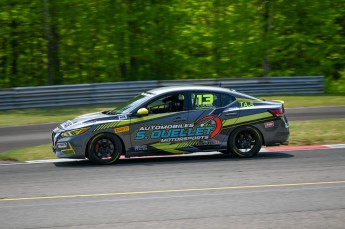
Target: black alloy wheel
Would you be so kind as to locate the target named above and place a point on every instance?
(104, 149)
(245, 141)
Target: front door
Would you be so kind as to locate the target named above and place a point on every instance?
(164, 129)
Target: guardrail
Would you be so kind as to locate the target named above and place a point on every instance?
(98, 93)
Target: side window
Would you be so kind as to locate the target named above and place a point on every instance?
(170, 103)
(205, 100)
(226, 99)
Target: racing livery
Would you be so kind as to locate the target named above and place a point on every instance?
(175, 120)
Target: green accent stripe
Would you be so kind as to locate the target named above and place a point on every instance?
(149, 117)
(229, 122)
(248, 100)
(168, 147)
(174, 148)
(250, 122)
(131, 121)
(186, 144)
(69, 151)
(106, 125)
(123, 122)
(254, 117)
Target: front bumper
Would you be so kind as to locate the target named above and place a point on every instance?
(69, 147)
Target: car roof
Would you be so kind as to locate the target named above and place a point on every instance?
(162, 90)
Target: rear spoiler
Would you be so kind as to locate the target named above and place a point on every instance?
(280, 101)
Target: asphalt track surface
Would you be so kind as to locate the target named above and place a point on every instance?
(282, 189)
(25, 136)
(292, 189)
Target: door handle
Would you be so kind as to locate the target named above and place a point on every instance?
(231, 114)
(179, 119)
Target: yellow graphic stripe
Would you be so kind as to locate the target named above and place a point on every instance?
(188, 143)
(279, 101)
(168, 147)
(128, 121)
(69, 151)
(229, 122)
(124, 122)
(174, 147)
(106, 125)
(247, 118)
(151, 116)
(253, 117)
(249, 100)
(178, 190)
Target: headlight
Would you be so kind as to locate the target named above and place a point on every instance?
(74, 132)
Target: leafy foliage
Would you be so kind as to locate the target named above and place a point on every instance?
(51, 42)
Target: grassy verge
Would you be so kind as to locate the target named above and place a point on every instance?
(40, 152)
(315, 132)
(45, 115)
(60, 114)
(292, 101)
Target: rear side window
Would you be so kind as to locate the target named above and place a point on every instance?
(204, 100)
(226, 99)
(209, 100)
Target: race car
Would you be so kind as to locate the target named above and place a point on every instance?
(175, 120)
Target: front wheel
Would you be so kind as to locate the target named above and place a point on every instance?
(104, 149)
(245, 141)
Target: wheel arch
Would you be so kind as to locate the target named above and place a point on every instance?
(93, 136)
(237, 127)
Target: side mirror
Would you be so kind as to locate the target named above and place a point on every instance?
(142, 112)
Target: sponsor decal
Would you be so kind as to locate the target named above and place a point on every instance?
(208, 142)
(122, 117)
(140, 148)
(90, 121)
(269, 124)
(214, 120)
(204, 101)
(205, 128)
(66, 124)
(246, 104)
(121, 129)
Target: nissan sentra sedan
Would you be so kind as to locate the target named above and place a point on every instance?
(175, 120)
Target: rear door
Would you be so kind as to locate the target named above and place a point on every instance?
(206, 113)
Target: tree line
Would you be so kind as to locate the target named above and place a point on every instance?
(50, 42)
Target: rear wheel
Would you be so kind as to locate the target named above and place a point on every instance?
(104, 149)
(245, 141)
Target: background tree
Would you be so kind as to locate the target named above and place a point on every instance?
(52, 42)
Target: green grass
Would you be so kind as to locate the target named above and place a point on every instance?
(60, 114)
(40, 152)
(45, 115)
(315, 132)
(292, 101)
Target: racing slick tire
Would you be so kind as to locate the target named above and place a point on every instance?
(245, 141)
(104, 149)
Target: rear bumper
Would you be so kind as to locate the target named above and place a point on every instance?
(275, 132)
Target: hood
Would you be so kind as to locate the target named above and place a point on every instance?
(91, 119)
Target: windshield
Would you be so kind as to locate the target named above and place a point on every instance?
(128, 106)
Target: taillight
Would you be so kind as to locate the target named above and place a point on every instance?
(277, 112)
